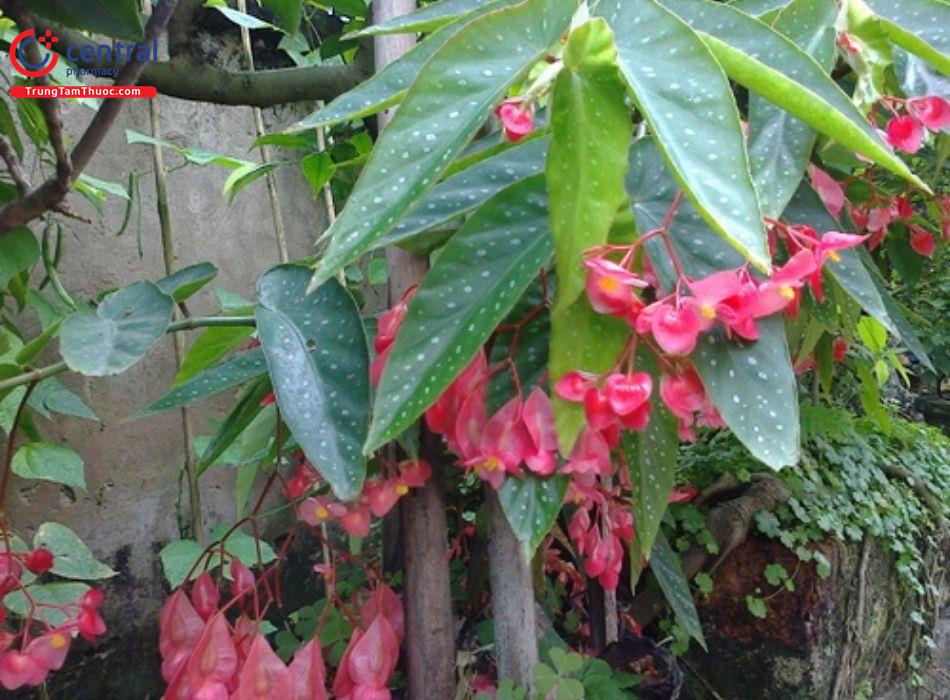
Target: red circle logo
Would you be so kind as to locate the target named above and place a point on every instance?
(19, 58)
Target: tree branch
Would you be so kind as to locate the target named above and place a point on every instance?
(51, 193)
(8, 154)
(187, 77)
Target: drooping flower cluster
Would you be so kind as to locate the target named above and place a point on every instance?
(600, 529)
(379, 495)
(913, 118)
(520, 434)
(26, 657)
(371, 655)
(206, 656)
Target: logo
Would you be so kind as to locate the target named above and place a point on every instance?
(18, 56)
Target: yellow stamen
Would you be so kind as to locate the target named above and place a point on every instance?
(491, 464)
(608, 284)
(833, 256)
(707, 311)
(786, 291)
(57, 641)
(402, 489)
(321, 513)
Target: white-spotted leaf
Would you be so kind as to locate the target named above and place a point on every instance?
(531, 505)
(432, 17)
(317, 357)
(454, 93)
(475, 281)
(668, 571)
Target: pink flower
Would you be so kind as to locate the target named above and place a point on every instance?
(442, 416)
(309, 673)
(50, 649)
(597, 409)
(205, 595)
(504, 443)
(38, 561)
(538, 417)
(880, 217)
(18, 669)
(933, 111)
(315, 510)
(683, 495)
(385, 602)
(179, 629)
(242, 578)
(905, 133)
(264, 675)
(590, 456)
(517, 119)
(380, 495)
(684, 393)
(573, 386)
(676, 328)
(828, 189)
(781, 289)
(373, 657)
(827, 249)
(389, 323)
(609, 286)
(627, 392)
(922, 241)
(839, 349)
(356, 521)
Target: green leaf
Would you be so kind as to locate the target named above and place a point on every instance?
(241, 416)
(241, 19)
(287, 12)
(922, 27)
(231, 373)
(318, 168)
(435, 121)
(588, 155)
(192, 155)
(317, 356)
(687, 100)
(473, 284)
(8, 127)
(50, 395)
(432, 17)
(35, 346)
(118, 333)
(49, 462)
(117, 18)
(531, 505)
(383, 89)
(916, 77)
(188, 280)
(71, 556)
(757, 8)
(780, 144)
(666, 567)
(244, 176)
(211, 346)
(704, 583)
(752, 384)
(651, 460)
(467, 190)
(764, 61)
(18, 252)
(178, 558)
(50, 597)
(581, 339)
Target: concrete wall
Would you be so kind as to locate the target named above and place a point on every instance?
(129, 509)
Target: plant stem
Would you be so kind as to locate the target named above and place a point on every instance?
(11, 443)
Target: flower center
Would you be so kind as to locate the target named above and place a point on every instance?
(833, 256)
(786, 291)
(707, 311)
(491, 464)
(608, 284)
(57, 641)
(402, 489)
(321, 513)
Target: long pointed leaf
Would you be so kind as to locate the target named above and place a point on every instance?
(780, 144)
(588, 155)
(468, 190)
(668, 570)
(454, 93)
(687, 100)
(317, 356)
(531, 505)
(431, 17)
(764, 61)
(476, 280)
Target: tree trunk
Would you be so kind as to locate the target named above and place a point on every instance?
(512, 596)
(430, 638)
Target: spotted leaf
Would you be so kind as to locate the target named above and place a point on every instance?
(531, 505)
(687, 101)
(432, 16)
(668, 571)
(752, 384)
(651, 460)
(587, 159)
(317, 357)
(921, 27)
(454, 93)
(475, 281)
(467, 190)
(226, 375)
(780, 144)
(762, 60)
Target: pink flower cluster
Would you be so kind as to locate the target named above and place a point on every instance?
(599, 529)
(906, 131)
(370, 657)
(205, 657)
(520, 433)
(27, 660)
(377, 498)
